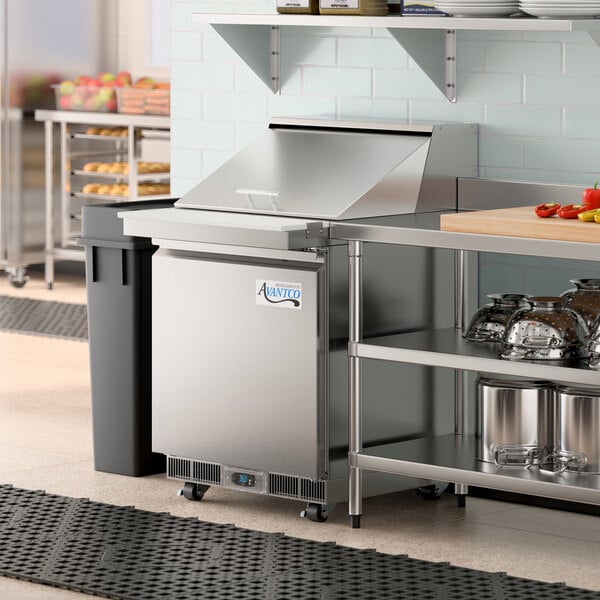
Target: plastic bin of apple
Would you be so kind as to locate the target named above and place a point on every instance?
(95, 94)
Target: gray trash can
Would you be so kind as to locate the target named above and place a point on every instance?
(119, 295)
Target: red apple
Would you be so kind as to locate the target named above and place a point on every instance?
(144, 83)
(123, 78)
(65, 102)
(111, 105)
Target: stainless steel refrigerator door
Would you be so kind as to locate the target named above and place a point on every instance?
(238, 378)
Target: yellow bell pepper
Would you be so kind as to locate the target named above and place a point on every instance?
(589, 215)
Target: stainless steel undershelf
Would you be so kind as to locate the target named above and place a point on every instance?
(447, 348)
(452, 458)
(423, 230)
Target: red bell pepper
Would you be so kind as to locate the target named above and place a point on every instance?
(547, 210)
(570, 211)
(591, 197)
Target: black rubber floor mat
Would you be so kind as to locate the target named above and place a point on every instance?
(128, 554)
(42, 317)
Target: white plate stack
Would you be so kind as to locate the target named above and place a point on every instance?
(561, 9)
(479, 8)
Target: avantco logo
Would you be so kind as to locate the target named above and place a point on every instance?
(279, 294)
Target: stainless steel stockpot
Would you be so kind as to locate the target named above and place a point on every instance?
(578, 447)
(516, 421)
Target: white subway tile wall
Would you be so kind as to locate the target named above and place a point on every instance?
(535, 96)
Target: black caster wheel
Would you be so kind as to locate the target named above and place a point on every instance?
(432, 492)
(355, 521)
(193, 491)
(461, 500)
(315, 512)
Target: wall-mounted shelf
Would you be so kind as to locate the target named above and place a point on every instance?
(430, 41)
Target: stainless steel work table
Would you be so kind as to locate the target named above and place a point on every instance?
(449, 458)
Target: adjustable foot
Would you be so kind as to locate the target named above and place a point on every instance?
(355, 521)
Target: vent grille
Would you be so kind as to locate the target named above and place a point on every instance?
(206, 472)
(312, 490)
(178, 468)
(193, 470)
(299, 488)
(283, 485)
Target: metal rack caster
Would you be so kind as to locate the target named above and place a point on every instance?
(17, 276)
(193, 491)
(432, 492)
(315, 512)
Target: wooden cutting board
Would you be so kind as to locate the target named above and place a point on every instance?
(521, 222)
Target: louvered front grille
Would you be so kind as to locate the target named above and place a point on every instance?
(193, 470)
(312, 490)
(178, 468)
(206, 472)
(283, 485)
(299, 488)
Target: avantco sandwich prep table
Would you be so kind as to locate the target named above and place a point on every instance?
(250, 307)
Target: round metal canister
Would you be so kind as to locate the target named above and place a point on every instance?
(516, 421)
(578, 446)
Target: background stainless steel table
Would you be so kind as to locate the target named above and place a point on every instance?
(66, 248)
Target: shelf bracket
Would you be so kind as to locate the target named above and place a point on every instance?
(434, 50)
(275, 59)
(259, 47)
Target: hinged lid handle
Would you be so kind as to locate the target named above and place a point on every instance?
(250, 193)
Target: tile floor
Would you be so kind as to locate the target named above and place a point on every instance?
(46, 443)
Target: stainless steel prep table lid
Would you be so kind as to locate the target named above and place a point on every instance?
(329, 170)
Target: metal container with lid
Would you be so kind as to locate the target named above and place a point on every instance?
(489, 322)
(578, 447)
(298, 6)
(545, 331)
(584, 299)
(354, 7)
(516, 421)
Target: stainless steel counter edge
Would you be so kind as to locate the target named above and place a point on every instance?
(226, 228)
(463, 241)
